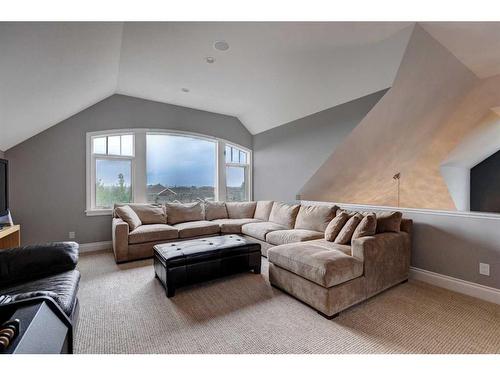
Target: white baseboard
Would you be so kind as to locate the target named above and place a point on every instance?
(457, 285)
(95, 246)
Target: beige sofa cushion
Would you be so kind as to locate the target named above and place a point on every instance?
(316, 263)
(233, 225)
(367, 227)
(346, 249)
(152, 232)
(259, 230)
(197, 228)
(280, 237)
(215, 210)
(149, 213)
(345, 235)
(240, 210)
(284, 214)
(128, 215)
(389, 221)
(335, 226)
(315, 217)
(182, 212)
(262, 210)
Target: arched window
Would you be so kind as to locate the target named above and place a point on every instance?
(138, 165)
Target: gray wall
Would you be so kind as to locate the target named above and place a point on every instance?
(453, 243)
(287, 156)
(2, 155)
(47, 171)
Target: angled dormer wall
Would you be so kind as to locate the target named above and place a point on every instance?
(408, 131)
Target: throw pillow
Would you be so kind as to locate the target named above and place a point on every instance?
(335, 226)
(389, 222)
(367, 227)
(345, 235)
(129, 216)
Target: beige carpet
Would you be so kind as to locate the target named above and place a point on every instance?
(124, 310)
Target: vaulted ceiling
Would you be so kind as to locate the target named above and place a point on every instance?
(271, 74)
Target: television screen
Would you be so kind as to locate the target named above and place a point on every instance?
(3, 187)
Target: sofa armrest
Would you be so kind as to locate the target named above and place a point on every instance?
(37, 261)
(386, 258)
(120, 230)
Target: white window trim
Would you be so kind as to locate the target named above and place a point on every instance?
(248, 168)
(139, 177)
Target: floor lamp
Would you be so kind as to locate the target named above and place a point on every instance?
(397, 177)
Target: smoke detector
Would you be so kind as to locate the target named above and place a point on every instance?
(221, 45)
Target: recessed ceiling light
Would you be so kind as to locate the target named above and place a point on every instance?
(221, 45)
(184, 89)
(210, 59)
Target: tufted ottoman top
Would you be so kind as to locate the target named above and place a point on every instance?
(203, 249)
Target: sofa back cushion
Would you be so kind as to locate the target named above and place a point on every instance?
(345, 235)
(183, 212)
(284, 214)
(389, 221)
(367, 227)
(127, 214)
(149, 213)
(315, 217)
(240, 210)
(262, 210)
(215, 210)
(335, 226)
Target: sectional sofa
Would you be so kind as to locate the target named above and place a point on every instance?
(325, 256)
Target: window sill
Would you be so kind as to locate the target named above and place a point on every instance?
(106, 212)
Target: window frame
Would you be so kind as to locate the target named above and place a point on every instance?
(91, 158)
(139, 167)
(246, 168)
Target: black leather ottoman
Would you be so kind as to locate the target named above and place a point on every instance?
(186, 262)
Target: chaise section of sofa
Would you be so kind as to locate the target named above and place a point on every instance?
(331, 277)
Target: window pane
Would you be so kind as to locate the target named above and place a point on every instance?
(180, 169)
(234, 155)
(243, 157)
(235, 184)
(228, 154)
(99, 145)
(114, 145)
(127, 145)
(113, 182)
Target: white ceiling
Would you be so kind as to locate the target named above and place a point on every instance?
(50, 71)
(273, 73)
(475, 44)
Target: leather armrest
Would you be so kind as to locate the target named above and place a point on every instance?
(120, 230)
(36, 261)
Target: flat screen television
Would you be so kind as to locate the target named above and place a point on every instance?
(4, 191)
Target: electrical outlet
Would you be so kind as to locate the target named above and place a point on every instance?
(71, 235)
(484, 269)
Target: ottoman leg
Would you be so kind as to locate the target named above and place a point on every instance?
(256, 270)
(170, 291)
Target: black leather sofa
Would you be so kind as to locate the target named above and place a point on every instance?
(47, 271)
